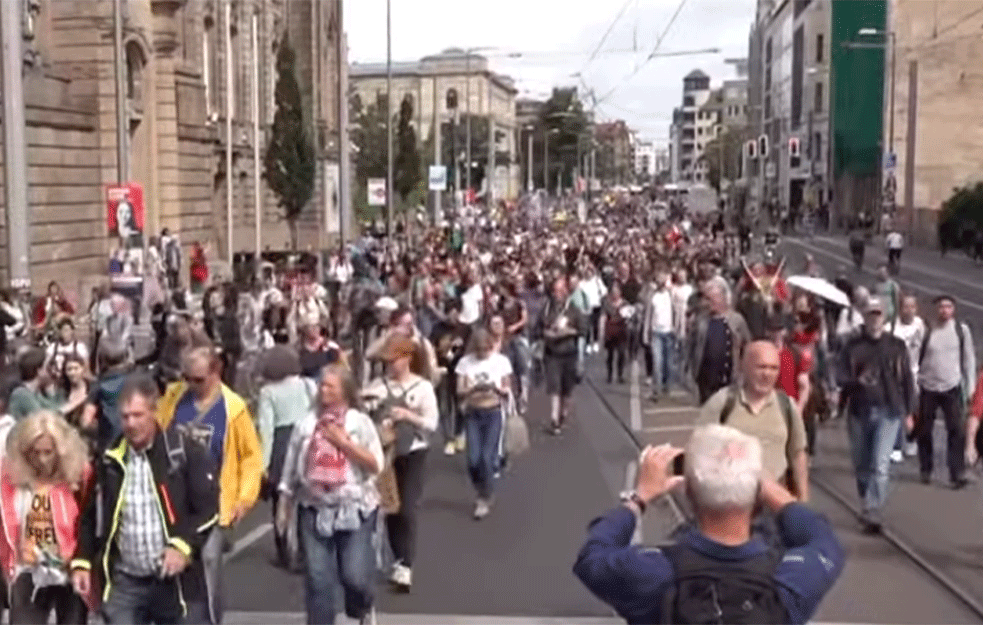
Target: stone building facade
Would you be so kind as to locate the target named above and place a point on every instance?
(428, 81)
(946, 47)
(174, 54)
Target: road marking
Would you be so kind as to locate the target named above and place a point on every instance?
(248, 540)
(635, 397)
(631, 476)
(668, 428)
(902, 281)
(670, 410)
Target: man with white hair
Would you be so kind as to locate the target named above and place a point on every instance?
(718, 567)
(716, 343)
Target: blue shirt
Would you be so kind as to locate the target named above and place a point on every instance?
(634, 579)
(209, 430)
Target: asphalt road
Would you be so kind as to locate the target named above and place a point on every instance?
(514, 567)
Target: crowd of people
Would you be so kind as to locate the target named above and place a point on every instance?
(127, 468)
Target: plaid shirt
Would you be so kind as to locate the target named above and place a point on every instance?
(142, 537)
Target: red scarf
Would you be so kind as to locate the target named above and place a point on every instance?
(326, 464)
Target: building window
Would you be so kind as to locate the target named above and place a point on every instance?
(688, 101)
(820, 48)
(768, 106)
(206, 65)
(817, 150)
(818, 95)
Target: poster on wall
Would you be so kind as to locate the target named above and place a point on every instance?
(125, 213)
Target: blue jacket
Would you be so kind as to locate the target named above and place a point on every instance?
(634, 579)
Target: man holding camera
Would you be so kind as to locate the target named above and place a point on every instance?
(717, 570)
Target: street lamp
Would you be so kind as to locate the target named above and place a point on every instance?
(467, 108)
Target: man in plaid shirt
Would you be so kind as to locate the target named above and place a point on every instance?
(164, 487)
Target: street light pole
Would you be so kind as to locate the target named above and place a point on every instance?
(529, 129)
(467, 112)
(389, 119)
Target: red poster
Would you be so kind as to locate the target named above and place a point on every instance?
(125, 213)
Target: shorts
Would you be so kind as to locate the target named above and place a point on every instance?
(561, 374)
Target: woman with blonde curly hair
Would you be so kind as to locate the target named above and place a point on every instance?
(44, 474)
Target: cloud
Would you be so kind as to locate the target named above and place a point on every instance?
(422, 27)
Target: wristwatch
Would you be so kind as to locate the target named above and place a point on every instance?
(633, 497)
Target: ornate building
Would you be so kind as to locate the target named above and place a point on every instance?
(174, 56)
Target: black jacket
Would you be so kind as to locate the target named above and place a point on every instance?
(876, 366)
(187, 493)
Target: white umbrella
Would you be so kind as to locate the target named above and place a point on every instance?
(820, 288)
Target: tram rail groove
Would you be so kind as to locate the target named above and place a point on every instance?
(890, 536)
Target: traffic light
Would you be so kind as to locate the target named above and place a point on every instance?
(452, 99)
(794, 147)
(763, 146)
(751, 148)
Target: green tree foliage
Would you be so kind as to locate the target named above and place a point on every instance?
(369, 137)
(407, 173)
(563, 113)
(290, 167)
(722, 154)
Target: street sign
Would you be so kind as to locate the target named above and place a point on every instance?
(438, 178)
(377, 191)
(890, 161)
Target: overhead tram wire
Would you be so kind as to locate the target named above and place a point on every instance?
(651, 55)
(607, 33)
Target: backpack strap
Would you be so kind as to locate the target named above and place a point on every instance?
(177, 457)
(960, 334)
(729, 405)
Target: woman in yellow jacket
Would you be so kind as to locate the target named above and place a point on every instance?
(218, 418)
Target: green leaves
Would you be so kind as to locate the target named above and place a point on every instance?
(290, 166)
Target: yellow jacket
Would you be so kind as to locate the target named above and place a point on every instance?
(242, 461)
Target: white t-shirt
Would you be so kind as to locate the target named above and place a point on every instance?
(912, 334)
(661, 311)
(491, 370)
(894, 240)
(471, 304)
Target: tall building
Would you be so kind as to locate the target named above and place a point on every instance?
(692, 128)
(427, 83)
(787, 101)
(174, 54)
(645, 163)
(939, 51)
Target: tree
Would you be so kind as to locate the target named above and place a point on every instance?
(369, 136)
(722, 155)
(564, 114)
(406, 164)
(289, 163)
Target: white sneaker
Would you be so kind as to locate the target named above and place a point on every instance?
(896, 456)
(401, 576)
(450, 448)
(911, 449)
(481, 509)
(369, 618)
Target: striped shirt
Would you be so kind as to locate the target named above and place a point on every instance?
(142, 536)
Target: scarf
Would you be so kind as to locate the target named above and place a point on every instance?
(327, 466)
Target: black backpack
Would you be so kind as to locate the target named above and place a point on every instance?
(709, 592)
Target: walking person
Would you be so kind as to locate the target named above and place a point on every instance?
(614, 332)
(946, 381)
(409, 404)
(285, 398)
(878, 392)
(328, 482)
(147, 564)
(561, 327)
(483, 377)
(910, 328)
(716, 344)
(45, 476)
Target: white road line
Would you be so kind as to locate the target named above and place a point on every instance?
(248, 540)
(631, 475)
(904, 281)
(671, 410)
(635, 397)
(668, 428)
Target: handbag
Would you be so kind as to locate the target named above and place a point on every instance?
(389, 501)
(516, 431)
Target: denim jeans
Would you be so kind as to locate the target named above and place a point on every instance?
(663, 361)
(141, 600)
(872, 439)
(346, 558)
(483, 429)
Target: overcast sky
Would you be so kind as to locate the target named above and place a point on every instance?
(422, 27)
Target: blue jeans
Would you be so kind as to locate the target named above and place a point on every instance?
(483, 429)
(663, 361)
(140, 600)
(347, 558)
(872, 439)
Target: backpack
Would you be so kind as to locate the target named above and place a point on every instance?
(707, 591)
(177, 457)
(961, 334)
(405, 432)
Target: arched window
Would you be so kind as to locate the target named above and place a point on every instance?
(134, 72)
